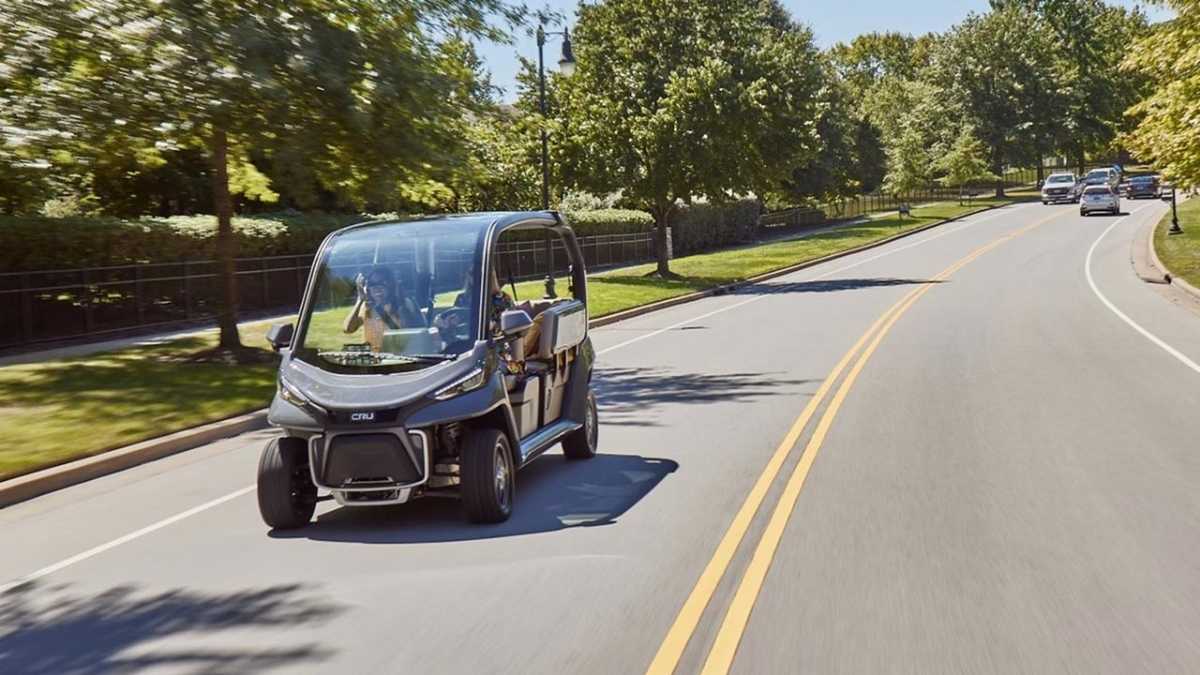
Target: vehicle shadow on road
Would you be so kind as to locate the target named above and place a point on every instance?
(46, 630)
(553, 494)
(628, 396)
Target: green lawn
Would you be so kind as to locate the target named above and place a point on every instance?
(629, 287)
(60, 410)
(1181, 252)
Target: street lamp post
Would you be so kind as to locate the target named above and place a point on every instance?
(1175, 228)
(567, 66)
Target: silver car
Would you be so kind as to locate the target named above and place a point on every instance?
(1099, 198)
(1060, 187)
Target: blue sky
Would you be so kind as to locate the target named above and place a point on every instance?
(831, 22)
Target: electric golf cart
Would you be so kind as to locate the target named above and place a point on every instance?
(415, 371)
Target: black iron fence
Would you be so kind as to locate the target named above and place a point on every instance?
(859, 205)
(55, 305)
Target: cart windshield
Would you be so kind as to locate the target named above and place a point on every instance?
(394, 297)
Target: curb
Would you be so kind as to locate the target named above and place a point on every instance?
(727, 288)
(54, 478)
(1175, 280)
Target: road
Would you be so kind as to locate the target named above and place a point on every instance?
(972, 450)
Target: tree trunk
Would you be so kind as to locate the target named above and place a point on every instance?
(1081, 160)
(662, 221)
(226, 243)
(998, 169)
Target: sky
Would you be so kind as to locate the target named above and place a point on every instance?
(831, 22)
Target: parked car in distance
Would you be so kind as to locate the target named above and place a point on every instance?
(1144, 186)
(1099, 198)
(1107, 176)
(1060, 187)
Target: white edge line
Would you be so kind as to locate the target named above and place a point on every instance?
(764, 296)
(123, 540)
(1087, 270)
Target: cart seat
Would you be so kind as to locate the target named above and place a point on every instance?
(564, 325)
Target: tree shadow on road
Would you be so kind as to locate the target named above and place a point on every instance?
(829, 285)
(553, 493)
(628, 396)
(46, 631)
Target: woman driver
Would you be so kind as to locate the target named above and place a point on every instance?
(380, 307)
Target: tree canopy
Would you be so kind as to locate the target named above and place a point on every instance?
(673, 100)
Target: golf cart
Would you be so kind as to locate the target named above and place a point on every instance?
(411, 373)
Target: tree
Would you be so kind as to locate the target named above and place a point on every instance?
(674, 100)
(999, 67)
(834, 171)
(1090, 40)
(965, 163)
(1167, 129)
(346, 83)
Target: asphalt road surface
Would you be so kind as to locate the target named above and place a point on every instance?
(976, 449)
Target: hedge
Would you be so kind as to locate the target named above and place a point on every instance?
(701, 227)
(36, 243)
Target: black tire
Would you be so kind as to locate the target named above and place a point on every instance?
(488, 475)
(582, 443)
(286, 494)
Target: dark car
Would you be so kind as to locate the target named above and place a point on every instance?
(1144, 186)
(449, 387)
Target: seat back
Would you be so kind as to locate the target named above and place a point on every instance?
(564, 325)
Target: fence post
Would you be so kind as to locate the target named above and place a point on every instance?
(26, 309)
(89, 318)
(299, 281)
(137, 295)
(187, 290)
(266, 291)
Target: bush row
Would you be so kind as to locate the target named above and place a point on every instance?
(36, 243)
(701, 227)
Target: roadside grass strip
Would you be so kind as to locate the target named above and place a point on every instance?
(1181, 252)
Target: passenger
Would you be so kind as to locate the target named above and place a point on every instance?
(381, 306)
(500, 302)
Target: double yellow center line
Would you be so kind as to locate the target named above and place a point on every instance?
(720, 657)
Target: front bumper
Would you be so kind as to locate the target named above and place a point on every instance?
(376, 467)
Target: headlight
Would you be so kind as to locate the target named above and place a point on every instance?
(472, 380)
(289, 393)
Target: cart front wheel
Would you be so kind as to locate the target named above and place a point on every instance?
(286, 494)
(582, 443)
(487, 476)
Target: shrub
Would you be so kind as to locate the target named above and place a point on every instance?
(700, 227)
(39, 243)
(57, 243)
(609, 221)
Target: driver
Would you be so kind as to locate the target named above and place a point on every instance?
(381, 306)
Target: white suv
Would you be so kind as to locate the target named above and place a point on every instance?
(1099, 198)
(1060, 187)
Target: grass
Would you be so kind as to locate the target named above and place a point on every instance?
(60, 410)
(1181, 252)
(628, 287)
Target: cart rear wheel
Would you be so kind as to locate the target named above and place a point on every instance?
(582, 443)
(487, 476)
(286, 494)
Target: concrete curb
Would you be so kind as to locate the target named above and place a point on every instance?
(38, 483)
(54, 478)
(1175, 281)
